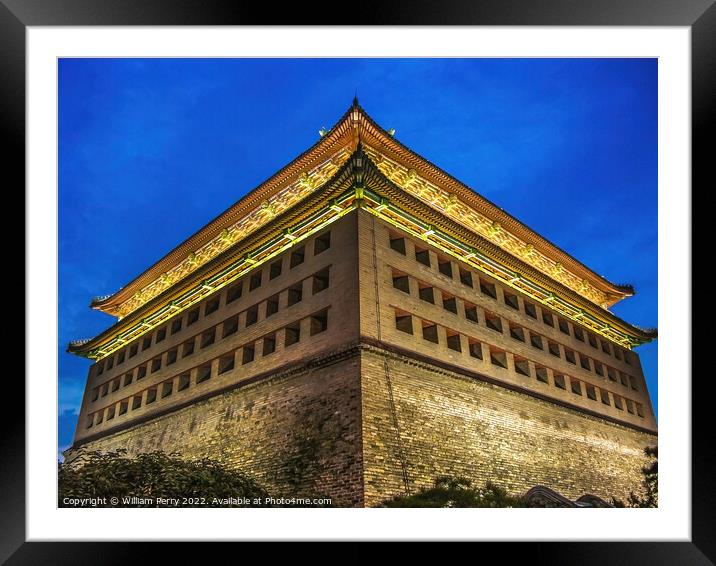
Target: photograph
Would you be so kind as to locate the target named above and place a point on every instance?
(357, 282)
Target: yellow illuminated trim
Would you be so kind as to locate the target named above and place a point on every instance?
(381, 208)
(269, 209)
(457, 210)
(412, 225)
(250, 262)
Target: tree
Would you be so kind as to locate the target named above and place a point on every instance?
(154, 475)
(456, 492)
(649, 496)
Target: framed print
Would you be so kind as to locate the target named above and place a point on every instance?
(422, 280)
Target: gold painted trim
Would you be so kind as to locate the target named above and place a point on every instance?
(363, 198)
(270, 208)
(450, 205)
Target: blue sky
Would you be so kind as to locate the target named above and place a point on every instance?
(152, 149)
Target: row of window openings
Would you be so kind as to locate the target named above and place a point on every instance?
(404, 323)
(397, 243)
(230, 326)
(292, 335)
(296, 258)
(494, 322)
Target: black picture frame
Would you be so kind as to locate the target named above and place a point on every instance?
(699, 15)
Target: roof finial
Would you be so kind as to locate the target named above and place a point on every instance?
(355, 98)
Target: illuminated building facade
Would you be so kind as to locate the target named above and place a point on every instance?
(362, 323)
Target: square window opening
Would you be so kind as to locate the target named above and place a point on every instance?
(230, 326)
(517, 332)
(498, 358)
(292, 334)
(269, 345)
(234, 292)
(226, 364)
(453, 342)
(192, 317)
(297, 257)
(271, 306)
(321, 280)
(536, 341)
(488, 288)
(211, 306)
(252, 315)
(569, 356)
(530, 310)
(591, 392)
(184, 381)
(426, 293)
(445, 267)
(275, 269)
(295, 294)
(563, 326)
(203, 373)
(401, 282)
(512, 301)
(430, 332)
(471, 313)
(255, 281)
(397, 243)
(404, 322)
(208, 337)
(319, 322)
(449, 303)
(322, 243)
(522, 366)
(541, 373)
(422, 255)
(475, 349)
(493, 322)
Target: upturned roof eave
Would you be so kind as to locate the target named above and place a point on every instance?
(616, 292)
(335, 139)
(82, 348)
(340, 136)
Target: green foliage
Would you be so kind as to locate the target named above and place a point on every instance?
(649, 495)
(456, 492)
(154, 475)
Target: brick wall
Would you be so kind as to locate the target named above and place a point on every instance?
(340, 298)
(373, 234)
(454, 425)
(327, 417)
(296, 434)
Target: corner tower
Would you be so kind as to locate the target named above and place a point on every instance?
(363, 322)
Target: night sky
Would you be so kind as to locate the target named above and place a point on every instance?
(150, 150)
